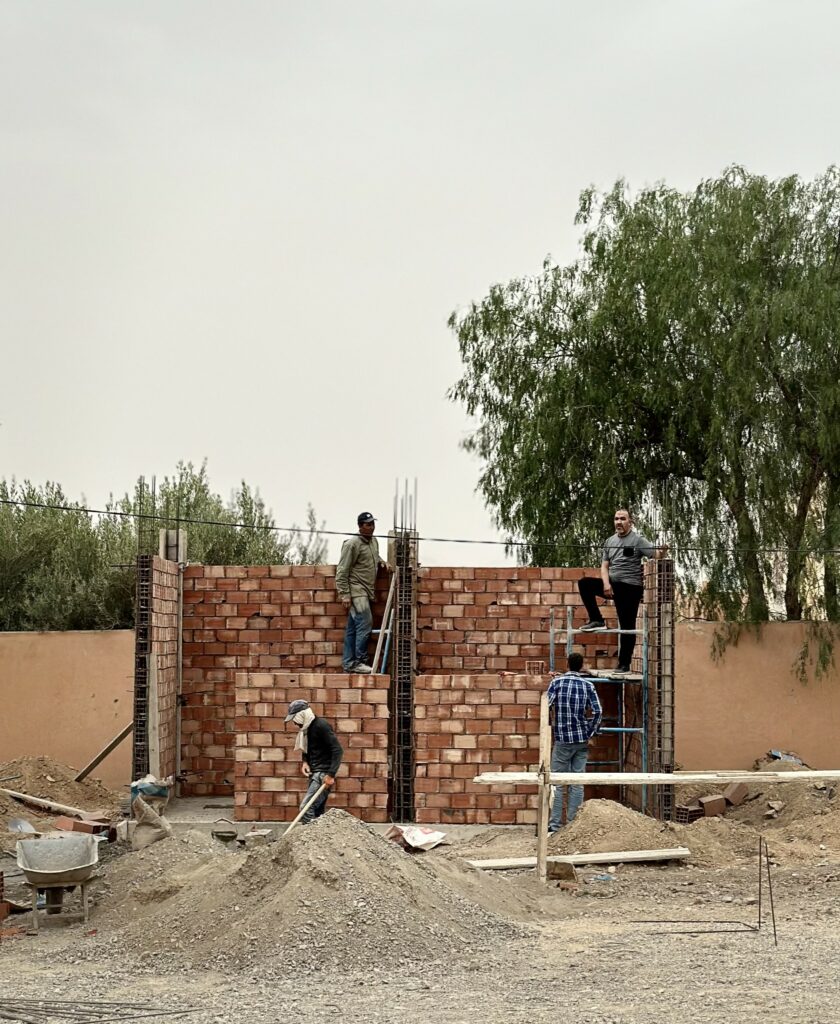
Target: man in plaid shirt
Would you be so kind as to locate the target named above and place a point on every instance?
(577, 716)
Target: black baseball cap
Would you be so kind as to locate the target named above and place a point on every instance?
(365, 517)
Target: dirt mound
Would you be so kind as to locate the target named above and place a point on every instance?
(52, 780)
(333, 892)
(604, 825)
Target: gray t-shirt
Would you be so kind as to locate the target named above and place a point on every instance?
(625, 556)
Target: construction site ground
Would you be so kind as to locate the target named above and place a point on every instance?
(335, 920)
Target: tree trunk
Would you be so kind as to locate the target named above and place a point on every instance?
(832, 536)
(757, 608)
(795, 536)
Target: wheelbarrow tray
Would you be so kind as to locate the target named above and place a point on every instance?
(67, 860)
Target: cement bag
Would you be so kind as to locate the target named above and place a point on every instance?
(414, 837)
(150, 826)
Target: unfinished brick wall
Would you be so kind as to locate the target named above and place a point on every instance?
(164, 665)
(250, 618)
(465, 725)
(497, 620)
(269, 783)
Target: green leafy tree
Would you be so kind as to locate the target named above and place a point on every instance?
(686, 364)
(64, 568)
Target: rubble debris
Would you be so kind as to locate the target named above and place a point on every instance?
(736, 793)
(713, 805)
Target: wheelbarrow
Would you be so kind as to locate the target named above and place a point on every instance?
(57, 866)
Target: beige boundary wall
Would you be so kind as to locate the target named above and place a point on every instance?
(731, 711)
(66, 695)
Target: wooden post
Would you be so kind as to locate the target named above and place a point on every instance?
(544, 791)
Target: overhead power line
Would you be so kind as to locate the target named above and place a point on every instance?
(151, 516)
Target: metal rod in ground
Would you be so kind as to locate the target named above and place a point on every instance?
(770, 893)
(760, 841)
(306, 807)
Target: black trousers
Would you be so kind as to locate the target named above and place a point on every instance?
(627, 597)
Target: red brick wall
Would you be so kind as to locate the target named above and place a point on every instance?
(164, 657)
(250, 618)
(465, 725)
(496, 620)
(269, 783)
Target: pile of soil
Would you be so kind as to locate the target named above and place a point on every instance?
(335, 891)
(51, 780)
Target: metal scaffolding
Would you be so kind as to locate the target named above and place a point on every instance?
(643, 721)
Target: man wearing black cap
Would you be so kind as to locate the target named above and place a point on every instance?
(355, 581)
(321, 753)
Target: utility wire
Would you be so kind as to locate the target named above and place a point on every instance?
(119, 513)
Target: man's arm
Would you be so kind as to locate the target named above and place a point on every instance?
(336, 753)
(605, 578)
(597, 711)
(342, 571)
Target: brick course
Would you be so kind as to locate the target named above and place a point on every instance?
(465, 725)
(260, 618)
(269, 783)
(497, 620)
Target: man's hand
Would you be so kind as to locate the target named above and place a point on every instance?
(382, 565)
(662, 551)
(329, 780)
(305, 769)
(345, 601)
(607, 590)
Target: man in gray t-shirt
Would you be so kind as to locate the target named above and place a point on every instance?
(622, 580)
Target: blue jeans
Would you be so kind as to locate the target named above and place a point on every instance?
(357, 633)
(567, 757)
(320, 805)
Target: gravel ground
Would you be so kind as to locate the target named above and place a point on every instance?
(590, 962)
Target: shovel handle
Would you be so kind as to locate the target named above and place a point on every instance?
(306, 807)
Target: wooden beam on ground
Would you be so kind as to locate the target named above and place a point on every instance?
(104, 752)
(577, 859)
(653, 778)
(47, 805)
(544, 794)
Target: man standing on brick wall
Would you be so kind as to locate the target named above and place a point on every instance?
(577, 717)
(621, 579)
(355, 581)
(321, 755)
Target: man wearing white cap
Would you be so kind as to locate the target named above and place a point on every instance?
(321, 755)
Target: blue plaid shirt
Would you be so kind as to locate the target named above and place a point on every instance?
(570, 695)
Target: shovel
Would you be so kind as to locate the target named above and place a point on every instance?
(306, 807)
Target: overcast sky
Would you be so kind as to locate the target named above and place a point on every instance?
(235, 230)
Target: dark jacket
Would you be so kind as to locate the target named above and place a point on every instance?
(325, 752)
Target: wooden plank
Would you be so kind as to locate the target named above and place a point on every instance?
(104, 752)
(544, 795)
(48, 805)
(577, 859)
(654, 778)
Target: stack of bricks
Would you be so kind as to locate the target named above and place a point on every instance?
(497, 620)
(466, 725)
(269, 783)
(250, 618)
(164, 660)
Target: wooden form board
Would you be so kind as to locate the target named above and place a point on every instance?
(578, 859)
(653, 778)
(544, 794)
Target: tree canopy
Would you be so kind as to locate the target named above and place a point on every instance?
(686, 365)
(62, 567)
